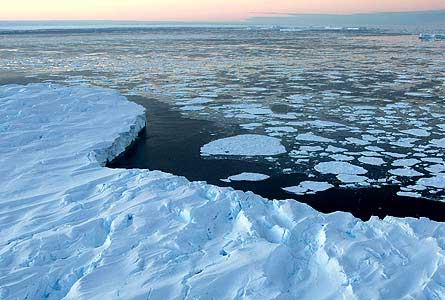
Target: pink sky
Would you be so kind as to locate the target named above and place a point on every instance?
(195, 10)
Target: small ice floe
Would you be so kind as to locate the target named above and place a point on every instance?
(417, 132)
(244, 145)
(281, 129)
(192, 107)
(409, 162)
(405, 142)
(342, 157)
(437, 181)
(339, 167)
(418, 94)
(356, 179)
(438, 168)
(247, 177)
(310, 137)
(374, 148)
(409, 194)
(334, 149)
(358, 142)
(374, 161)
(297, 99)
(438, 142)
(251, 126)
(395, 154)
(194, 101)
(405, 172)
(309, 187)
(431, 37)
(258, 111)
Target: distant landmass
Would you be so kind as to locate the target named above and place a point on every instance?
(361, 19)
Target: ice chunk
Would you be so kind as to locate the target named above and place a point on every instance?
(438, 142)
(339, 167)
(309, 187)
(244, 145)
(417, 132)
(405, 172)
(310, 137)
(375, 161)
(346, 178)
(405, 162)
(248, 177)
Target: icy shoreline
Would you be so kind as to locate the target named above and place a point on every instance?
(72, 229)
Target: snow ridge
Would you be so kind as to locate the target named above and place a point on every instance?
(72, 229)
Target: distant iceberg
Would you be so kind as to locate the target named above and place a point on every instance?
(432, 37)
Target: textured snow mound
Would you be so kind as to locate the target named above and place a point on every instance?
(72, 229)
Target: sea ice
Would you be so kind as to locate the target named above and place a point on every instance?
(74, 229)
(309, 187)
(310, 137)
(339, 167)
(375, 161)
(248, 177)
(405, 172)
(244, 145)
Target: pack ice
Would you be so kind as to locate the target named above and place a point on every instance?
(72, 229)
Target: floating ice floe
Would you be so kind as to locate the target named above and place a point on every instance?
(437, 181)
(310, 137)
(73, 229)
(375, 161)
(307, 187)
(417, 132)
(346, 178)
(244, 145)
(339, 167)
(246, 176)
(438, 142)
(405, 172)
(405, 162)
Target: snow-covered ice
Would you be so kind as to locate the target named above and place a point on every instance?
(309, 187)
(246, 176)
(339, 167)
(244, 145)
(73, 229)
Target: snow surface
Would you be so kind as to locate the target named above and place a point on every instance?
(73, 229)
(244, 145)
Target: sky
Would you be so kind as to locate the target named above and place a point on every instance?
(195, 10)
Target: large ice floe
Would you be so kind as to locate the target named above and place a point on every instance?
(72, 229)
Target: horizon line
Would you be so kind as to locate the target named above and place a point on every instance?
(260, 14)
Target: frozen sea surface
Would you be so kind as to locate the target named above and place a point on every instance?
(73, 229)
(374, 98)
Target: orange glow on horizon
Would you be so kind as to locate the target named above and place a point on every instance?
(195, 10)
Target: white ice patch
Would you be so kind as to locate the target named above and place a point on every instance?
(405, 172)
(438, 142)
(339, 167)
(246, 176)
(417, 132)
(437, 181)
(405, 162)
(310, 137)
(244, 145)
(375, 161)
(346, 178)
(309, 187)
